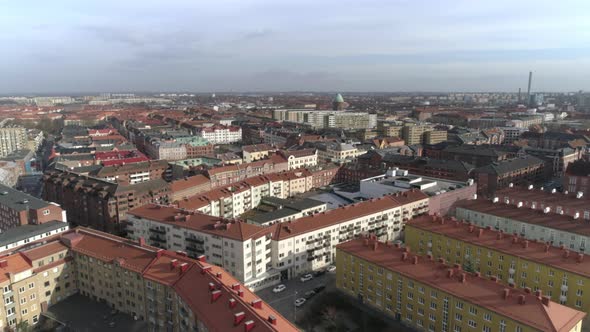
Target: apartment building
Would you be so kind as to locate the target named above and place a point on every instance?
(522, 171)
(435, 136)
(18, 208)
(98, 203)
(283, 210)
(240, 248)
(233, 200)
(221, 134)
(150, 284)
(338, 152)
(300, 158)
(529, 222)
(431, 295)
(414, 134)
(25, 235)
(308, 243)
(189, 186)
(513, 260)
(224, 175)
(255, 152)
(11, 139)
(327, 119)
(165, 149)
(577, 177)
(132, 173)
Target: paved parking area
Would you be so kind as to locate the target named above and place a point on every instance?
(284, 302)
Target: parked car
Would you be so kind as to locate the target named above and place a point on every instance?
(306, 277)
(309, 294)
(331, 268)
(319, 273)
(299, 302)
(279, 288)
(319, 289)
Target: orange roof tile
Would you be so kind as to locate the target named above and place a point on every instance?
(480, 291)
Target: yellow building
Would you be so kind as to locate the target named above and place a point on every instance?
(556, 272)
(435, 136)
(432, 296)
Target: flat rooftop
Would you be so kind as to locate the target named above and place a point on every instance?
(377, 186)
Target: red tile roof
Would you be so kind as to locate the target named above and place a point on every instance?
(568, 202)
(233, 229)
(539, 252)
(191, 181)
(527, 215)
(480, 291)
(346, 213)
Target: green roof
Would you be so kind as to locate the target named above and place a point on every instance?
(338, 99)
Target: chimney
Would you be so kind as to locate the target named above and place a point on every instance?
(494, 278)
(239, 317)
(257, 303)
(215, 295)
(495, 200)
(375, 245)
(404, 256)
(366, 242)
(202, 258)
(457, 266)
(3, 264)
(441, 260)
(415, 260)
(580, 258)
(141, 241)
(566, 253)
(553, 191)
(429, 257)
(525, 244)
(471, 228)
(477, 274)
(546, 248)
(510, 185)
(539, 293)
(576, 215)
(235, 286)
(506, 293)
(173, 263)
(519, 205)
(183, 267)
(463, 277)
(527, 290)
(579, 194)
(272, 319)
(204, 269)
(219, 275)
(211, 286)
(545, 300)
(450, 273)
(521, 299)
(232, 303)
(531, 187)
(515, 239)
(407, 249)
(248, 326)
(500, 235)
(511, 285)
(397, 245)
(240, 292)
(480, 232)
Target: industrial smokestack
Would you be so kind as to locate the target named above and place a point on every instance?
(519, 95)
(528, 92)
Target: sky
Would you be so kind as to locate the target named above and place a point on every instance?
(293, 45)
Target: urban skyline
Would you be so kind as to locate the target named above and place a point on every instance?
(294, 46)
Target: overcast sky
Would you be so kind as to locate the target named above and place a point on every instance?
(286, 45)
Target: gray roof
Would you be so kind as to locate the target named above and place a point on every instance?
(295, 204)
(272, 215)
(510, 165)
(25, 231)
(18, 200)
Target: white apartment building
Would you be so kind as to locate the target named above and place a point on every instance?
(221, 134)
(261, 256)
(308, 244)
(11, 139)
(166, 150)
(512, 134)
(300, 158)
(339, 152)
(233, 200)
(545, 224)
(17, 237)
(242, 249)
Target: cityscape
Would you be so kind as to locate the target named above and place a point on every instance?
(244, 167)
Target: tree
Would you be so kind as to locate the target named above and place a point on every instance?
(23, 326)
(468, 266)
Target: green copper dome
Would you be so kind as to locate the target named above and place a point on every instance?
(338, 99)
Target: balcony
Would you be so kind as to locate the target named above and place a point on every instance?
(158, 239)
(195, 240)
(158, 230)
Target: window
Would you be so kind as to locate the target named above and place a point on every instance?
(24, 312)
(487, 317)
(457, 328)
(471, 323)
(518, 329)
(32, 296)
(21, 290)
(473, 310)
(486, 329)
(35, 319)
(433, 305)
(32, 285)
(10, 311)
(23, 300)
(7, 289)
(458, 317)
(432, 317)
(459, 305)
(502, 326)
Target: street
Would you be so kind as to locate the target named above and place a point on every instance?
(284, 302)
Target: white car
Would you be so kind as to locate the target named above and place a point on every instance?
(279, 288)
(331, 268)
(299, 302)
(306, 277)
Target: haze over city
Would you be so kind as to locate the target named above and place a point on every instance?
(76, 46)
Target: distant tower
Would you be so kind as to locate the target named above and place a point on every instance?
(528, 91)
(338, 103)
(518, 95)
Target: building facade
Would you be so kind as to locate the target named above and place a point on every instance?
(18, 208)
(12, 139)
